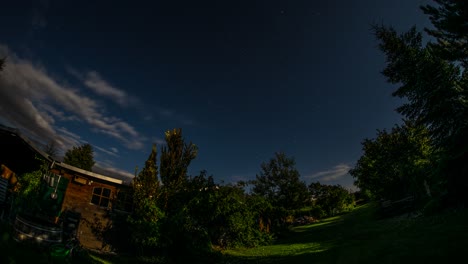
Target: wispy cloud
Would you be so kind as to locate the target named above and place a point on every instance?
(333, 174)
(30, 99)
(97, 84)
(65, 138)
(110, 170)
(60, 115)
(100, 86)
(108, 152)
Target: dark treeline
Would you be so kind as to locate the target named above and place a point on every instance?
(427, 156)
(177, 217)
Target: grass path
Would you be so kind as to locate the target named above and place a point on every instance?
(360, 238)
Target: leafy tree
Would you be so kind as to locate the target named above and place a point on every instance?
(431, 85)
(146, 217)
(29, 189)
(235, 218)
(396, 163)
(81, 157)
(161, 218)
(450, 20)
(181, 217)
(146, 183)
(331, 198)
(176, 156)
(434, 81)
(229, 217)
(280, 184)
(184, 226)
(51, 149)
(363, 196)
(451, 29)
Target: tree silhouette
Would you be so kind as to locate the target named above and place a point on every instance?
(81, 157)
(451, 29)
(145, 220)
(279, 183)
(396, 163)
(51, 149)
(331, 198)
(433, 80)
(146, 183)
(176, 156)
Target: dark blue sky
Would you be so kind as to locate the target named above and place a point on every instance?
(243, 79)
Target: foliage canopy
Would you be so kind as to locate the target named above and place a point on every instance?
(433, 81)
(81, 157)
(279, 182)
(396, 163)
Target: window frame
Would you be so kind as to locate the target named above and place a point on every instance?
(101, 197)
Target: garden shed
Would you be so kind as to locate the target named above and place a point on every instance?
(71, 200)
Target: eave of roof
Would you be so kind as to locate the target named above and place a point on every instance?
(16, 132)
(88, 173)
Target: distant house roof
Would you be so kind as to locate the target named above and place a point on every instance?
(19, 154)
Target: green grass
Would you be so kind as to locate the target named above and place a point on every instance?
(357, 237)
(360, 238)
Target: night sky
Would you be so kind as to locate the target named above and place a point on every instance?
(243, 79)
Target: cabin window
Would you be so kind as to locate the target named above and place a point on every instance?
(101, 196)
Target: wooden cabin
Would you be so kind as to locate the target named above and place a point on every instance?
(72, 201)
(92, 197)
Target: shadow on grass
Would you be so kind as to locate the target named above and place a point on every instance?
(359, 237)
(304, 244)
(340, 239)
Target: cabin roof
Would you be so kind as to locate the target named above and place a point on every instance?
(87, 173)
(17, 150)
